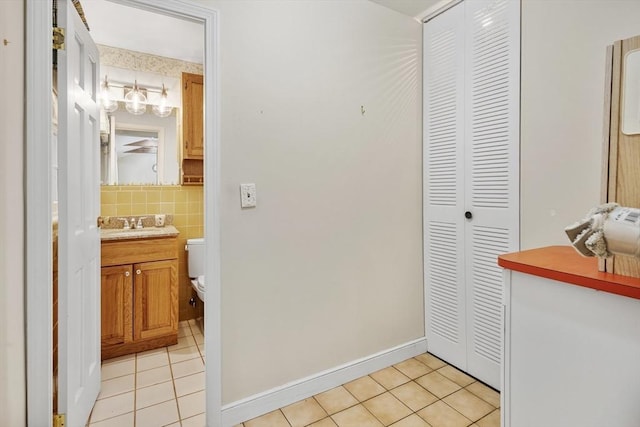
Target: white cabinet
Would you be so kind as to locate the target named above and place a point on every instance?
(471, 178)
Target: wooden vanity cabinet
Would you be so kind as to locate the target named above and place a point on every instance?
(139, 295)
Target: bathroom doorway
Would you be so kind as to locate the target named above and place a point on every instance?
(39, 318)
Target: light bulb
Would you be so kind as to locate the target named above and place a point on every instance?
(135, 100)
(109, 105)
(162, 109)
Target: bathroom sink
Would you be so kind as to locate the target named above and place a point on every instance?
(137, 233)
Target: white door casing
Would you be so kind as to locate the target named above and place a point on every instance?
(471, 161)
(79, 207)
(38, 201)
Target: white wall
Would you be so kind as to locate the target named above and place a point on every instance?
(563, 63)
(328, 268)
(12, 340)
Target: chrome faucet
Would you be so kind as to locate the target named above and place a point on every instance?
(126, 225)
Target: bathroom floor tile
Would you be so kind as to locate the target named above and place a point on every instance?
(356, 416)
(390, 377)
(183, 354)
(125, 420)
(118, 367)
(468, 404)
(411, 421)
(188, 367)
(167, 387)
(456, 376)
(414, 396)
(189, 384)
(112, 406)
(158, 415)
(485, 393)
(413, 368)
(197, 421)
(117, 385)
(440, 414)
(438, 384)
(154, 394)
(153, 376)
(150, 361)
(387, 409)
(304, 412)
(336, 400)
(272, 419)
(364, 388)
(191, 404)
(430, 360)
(491, 420)
(186, 341)
(326, 422)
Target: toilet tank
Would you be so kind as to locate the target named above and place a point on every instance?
(195, 257)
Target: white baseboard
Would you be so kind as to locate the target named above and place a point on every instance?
(270, 400)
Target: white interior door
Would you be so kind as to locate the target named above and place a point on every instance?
(492, 33)
(79, 240)
(444, 186)
(471, 178)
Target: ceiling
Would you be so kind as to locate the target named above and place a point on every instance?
(134, 29)
(129, 28)
(413, 8)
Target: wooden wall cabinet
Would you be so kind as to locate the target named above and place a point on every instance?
(139, 295)
(192, 129)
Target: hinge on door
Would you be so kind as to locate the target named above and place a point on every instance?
(59, 420)
(58, 38)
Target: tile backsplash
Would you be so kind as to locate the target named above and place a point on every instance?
(186, 204)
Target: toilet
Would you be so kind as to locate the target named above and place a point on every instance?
(195, 249)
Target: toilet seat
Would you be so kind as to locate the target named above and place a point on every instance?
(199, 286)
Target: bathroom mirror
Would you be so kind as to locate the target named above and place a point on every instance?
(630, 113)
(139, 150)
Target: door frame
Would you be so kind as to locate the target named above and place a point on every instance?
(38, 238)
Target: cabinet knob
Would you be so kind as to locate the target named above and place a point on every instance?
(468, 215)
(127, 274)
(138, 271)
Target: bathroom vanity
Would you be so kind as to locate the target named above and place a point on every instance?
(571, 346)
(139, 290)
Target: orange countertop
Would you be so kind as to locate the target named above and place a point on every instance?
(564, 264)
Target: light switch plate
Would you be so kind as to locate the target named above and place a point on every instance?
(247, 195)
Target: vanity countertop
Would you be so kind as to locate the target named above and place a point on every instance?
(564, 264)
(142, 233)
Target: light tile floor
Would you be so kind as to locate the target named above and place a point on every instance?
(420, 392)
(162, 387)
(165, 387)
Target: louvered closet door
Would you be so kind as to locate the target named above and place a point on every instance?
(444, 186)
(491, 173)
(471, 166)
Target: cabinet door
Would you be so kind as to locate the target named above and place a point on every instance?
(116, 305)
(192, 116)
(156, 299)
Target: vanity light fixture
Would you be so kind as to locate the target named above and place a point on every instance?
(135, 101)
(162, 109)
(109, 105)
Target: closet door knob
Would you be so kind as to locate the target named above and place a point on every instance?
(126, 274)
(468, 215)
(138, 271)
